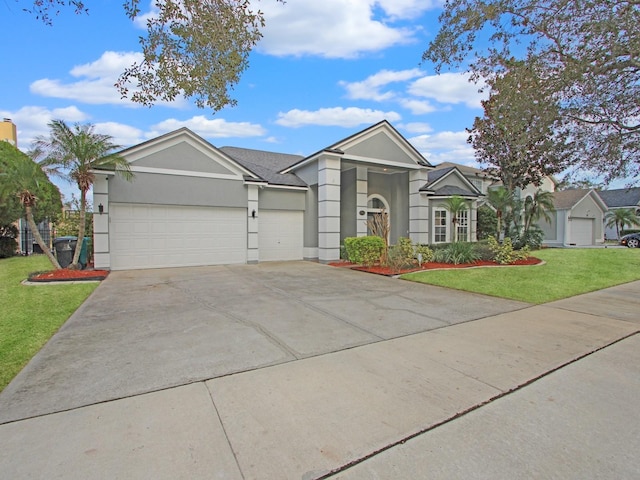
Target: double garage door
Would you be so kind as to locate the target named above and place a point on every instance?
(156, 236)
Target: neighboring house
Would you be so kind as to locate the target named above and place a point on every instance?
(577, 220)
(620, 198)
(191, 203)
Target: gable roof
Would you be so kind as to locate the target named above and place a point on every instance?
(567, 199)
(267, 165)
(437, 176)
(621, 197)
(382, 126)
(183, 134)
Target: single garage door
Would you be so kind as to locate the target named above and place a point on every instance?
(582, 231)
(281, 235)
(155, 236)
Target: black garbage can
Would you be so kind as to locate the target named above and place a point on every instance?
(64, 247)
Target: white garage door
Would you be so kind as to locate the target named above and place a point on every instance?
(281, 235)
(155, 236)
(582, 231)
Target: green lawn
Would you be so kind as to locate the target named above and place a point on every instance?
(567, 272)
(31, 314)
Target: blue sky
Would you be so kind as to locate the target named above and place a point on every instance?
(323, 71)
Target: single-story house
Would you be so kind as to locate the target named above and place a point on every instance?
(620, 198)
(192, 203)
(577, 220)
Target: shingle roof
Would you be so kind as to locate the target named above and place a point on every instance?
(463, 168)
(449, 190)
(621, 197)
(565, 199)
(266, 165)
(435, 175)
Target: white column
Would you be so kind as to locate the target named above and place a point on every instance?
(328, 208)
(362, 192)
(253, 252)
(418, 207)
(101, 251)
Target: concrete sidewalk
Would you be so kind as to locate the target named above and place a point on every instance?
(514, 395)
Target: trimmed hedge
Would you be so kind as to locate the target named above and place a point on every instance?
(364, 250)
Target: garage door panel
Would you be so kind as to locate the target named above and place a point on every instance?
(582, 231)
(154, 236)
(281, 235)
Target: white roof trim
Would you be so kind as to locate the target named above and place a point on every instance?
(184, 173)
(389, 163)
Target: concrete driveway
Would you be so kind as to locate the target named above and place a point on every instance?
(147, 330)
(322, 390)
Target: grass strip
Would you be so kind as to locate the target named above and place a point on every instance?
(31, 314)
(567, 272)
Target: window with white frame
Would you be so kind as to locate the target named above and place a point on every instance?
(463, 226)
(440, 226)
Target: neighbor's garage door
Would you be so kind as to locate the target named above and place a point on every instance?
(281, 235)
(154, 236)
(582, 231)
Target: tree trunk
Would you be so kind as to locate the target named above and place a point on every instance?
(83, 207)
(36, 234)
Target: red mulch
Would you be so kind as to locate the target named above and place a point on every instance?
(380, 270)
(67, 275)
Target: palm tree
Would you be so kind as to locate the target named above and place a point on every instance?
(501, 200)
(78, 151)
(25, 177)
(455, 205)
(538, 207)
(620, 217)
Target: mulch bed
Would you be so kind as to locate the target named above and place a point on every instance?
(387, 271)
(67, 275)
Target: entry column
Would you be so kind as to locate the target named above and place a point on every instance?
(253, 253)
(362, 192)
(418, 207)
(329, 207)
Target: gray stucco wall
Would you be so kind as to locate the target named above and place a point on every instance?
(588, 208)
(159, 189)
(348, 205)
(550, 230)
(182, 156)
(381, 147)
(279, 199)
(311, 218)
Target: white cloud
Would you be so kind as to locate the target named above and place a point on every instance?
(96, 82)
(123, 135)
(31, 121)
(445, 147)
(416, 127)
(452, 88)
(328, 28)
(209, 128)
(369, 89)
(417, 107)
(337, 116)
(408, 8)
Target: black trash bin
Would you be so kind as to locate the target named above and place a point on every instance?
(64, 247)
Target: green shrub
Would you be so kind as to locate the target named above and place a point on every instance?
(505, 254)
(402, 254)
(8, 242)
(484, 252)
(364, 250)
(456, 253)
(424, 253)
(532, 238)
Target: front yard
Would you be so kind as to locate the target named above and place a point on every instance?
(567, 272)
(31, 314)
